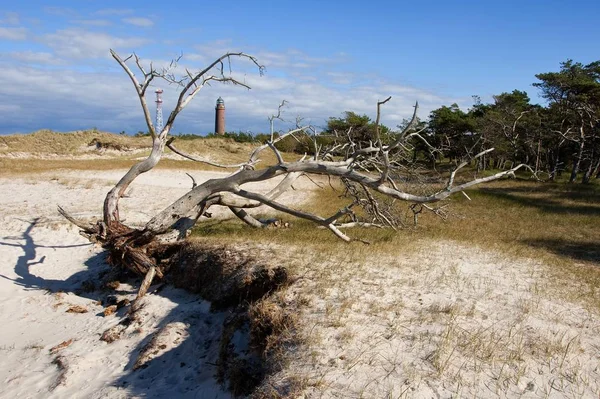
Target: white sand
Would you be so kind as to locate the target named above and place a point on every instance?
(43, 261)
(446, 321)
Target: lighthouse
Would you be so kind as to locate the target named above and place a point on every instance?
(220, 117)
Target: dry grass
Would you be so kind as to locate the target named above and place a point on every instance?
(49, 142)
(552, 222)
(45, 150)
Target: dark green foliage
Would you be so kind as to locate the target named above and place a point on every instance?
(239, 137)
(360, 126)
(565, 133)
(302, 144)
(453, 130)
(573, 94)
(575, 85)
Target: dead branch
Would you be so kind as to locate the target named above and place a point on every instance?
(85, 228)
(194, 184)
(139, 87)
(272, 118)
(191, 85)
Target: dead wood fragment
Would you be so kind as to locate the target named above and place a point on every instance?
(112, 334)
(113, 285)
(147, 281)
(61, 346)
(109, 310)
(107, 145)
(77, 309)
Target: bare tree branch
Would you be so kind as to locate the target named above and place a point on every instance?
(140, 88)
(185, 96)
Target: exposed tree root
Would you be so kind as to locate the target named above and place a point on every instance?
(223, 275)
(230, 279)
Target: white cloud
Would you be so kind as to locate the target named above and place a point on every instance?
(75, 43)
(32, 57)
(10, 108)
(93, 22)
(139, 21)
(65, 99)
(114, 11)
(75, 94)
(60, 11)
(212, 50)
(13, 33)
(248, 110)
(295, 59)
(341, 78)
(10, 18)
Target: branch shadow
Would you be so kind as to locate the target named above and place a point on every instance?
(543, 204)
(184, 371)
(580, 251)
(25, 278)
(575, 192)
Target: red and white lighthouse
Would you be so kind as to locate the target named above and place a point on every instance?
(220, 117)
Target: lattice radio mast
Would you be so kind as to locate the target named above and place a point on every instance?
(159, 119)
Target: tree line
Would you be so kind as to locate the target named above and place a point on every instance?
(562, 136)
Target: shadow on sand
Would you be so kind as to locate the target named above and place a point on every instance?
(25, 278)
(186, 371)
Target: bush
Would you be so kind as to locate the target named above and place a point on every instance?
(303, 144)
(239, 137)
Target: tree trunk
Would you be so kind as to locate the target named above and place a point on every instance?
(577, 162)
(111, 202)
(537, 156)
(591, 169)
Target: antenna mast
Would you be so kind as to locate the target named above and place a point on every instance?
(159, 118)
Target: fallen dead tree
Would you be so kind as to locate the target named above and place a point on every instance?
(370, 170)
(366, 168)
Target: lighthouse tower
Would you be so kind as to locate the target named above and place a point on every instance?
(220, 116)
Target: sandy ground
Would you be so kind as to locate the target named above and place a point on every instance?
(43, 263)
(443, 320)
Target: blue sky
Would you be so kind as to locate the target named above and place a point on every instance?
(322, 57)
